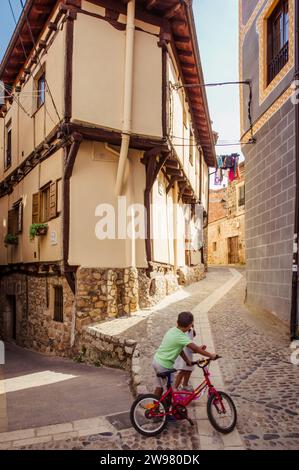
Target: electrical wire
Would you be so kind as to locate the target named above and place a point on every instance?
(34, 45)
(219, 142)
(29, 95)
(15, 20)
(16, 101)
(248, 83)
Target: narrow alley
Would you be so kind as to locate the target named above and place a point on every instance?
(252, 347)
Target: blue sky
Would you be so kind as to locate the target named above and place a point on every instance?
(217, 28)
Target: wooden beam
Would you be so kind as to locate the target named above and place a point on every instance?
(183, 39)
(184, 53)
(173, 11)
(172, 181)
(174, 171)
(151, 4)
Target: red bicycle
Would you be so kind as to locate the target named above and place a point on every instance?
(149, 415)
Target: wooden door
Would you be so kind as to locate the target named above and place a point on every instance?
(13, 316)
(233, 250)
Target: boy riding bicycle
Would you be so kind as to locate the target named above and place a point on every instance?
(173, 343)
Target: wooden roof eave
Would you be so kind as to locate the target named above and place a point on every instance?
(14, 52)
(210, 161)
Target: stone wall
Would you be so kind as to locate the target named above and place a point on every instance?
(156, 285)
(34, 301)
(227, 220)
(270, 205)
(219, 232)
(97, 348)
(103, 293)
(188, 275)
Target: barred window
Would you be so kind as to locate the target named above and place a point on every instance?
(58, 304)
(278, 39)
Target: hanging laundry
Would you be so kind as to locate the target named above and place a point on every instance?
(236, 163)
(231, 175)
(217, 180)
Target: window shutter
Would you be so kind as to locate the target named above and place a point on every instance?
(36, 208)
(19, 214)
(10, 222)
(53, 200)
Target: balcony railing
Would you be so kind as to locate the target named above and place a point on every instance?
(278, 62)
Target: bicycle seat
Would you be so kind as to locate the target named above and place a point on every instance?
(163, 375)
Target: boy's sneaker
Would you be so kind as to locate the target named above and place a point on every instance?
(188, 388)
(171, 419)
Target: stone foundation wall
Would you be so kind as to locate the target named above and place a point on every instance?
(111, 293)
(34, 323)
(94, 347)
(162, 281)
(188, 275)
(105, 293)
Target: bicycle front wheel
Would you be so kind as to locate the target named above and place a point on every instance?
(222, 413)
(148, 415)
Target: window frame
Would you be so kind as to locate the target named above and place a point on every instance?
(16, 220)
(277, 53)
(8, 139)
(45, 203)
(37, 102)
(241, 201)
(58, 310)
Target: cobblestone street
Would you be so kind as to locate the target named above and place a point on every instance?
(255, 367)
(258, 373)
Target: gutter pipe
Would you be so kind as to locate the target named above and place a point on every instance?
(128, 96)
(294, 309)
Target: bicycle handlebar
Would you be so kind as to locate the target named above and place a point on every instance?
(205, 362)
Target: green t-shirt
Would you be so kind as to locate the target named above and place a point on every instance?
(171, 347)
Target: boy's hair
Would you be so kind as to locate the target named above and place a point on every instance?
(185, 319)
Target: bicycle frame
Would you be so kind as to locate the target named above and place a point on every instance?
(175, 397)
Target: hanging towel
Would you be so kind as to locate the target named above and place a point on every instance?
(231, 175)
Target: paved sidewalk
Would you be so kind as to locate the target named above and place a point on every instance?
(38, 390)
(199, 298)
(258, 372)
(255, 370)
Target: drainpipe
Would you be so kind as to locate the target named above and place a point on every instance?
(175, 223)
(128, 96)
(294, 309)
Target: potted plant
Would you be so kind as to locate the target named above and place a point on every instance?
(37, 230)
(10, 239)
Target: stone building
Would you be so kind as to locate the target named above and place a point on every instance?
(267, 58)
(226, 229)
(98, 133)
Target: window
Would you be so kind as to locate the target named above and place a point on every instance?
(241, 200)
(8, 150)
(214, 246)
(41, 90)
(15, 219)
(44, 204)
(278, 39)
(191, 148)
(58, 304)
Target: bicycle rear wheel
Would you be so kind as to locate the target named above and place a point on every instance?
(148, 415)
(222, 413)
